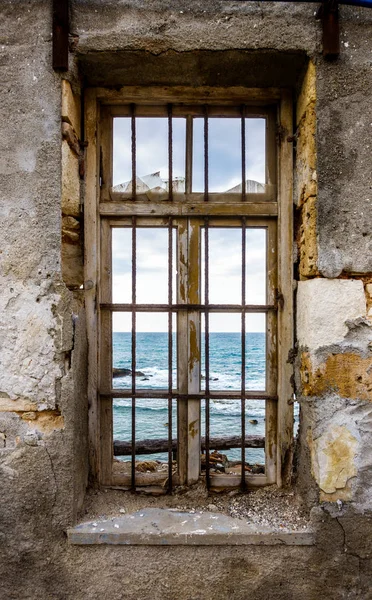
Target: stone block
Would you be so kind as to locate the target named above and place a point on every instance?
(71, 107)
(308, 249)
(347, 374)
(72, 265)
(323, 308)
(308, 92)
(70, 182)
(333, 459)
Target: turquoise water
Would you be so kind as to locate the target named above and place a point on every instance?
(225, 374)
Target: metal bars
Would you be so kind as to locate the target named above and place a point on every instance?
(170, 350)
(134, 275)
(206, 346)
(244, 194)
(134, 154)
(243, 346)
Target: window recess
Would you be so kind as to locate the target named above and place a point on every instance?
(191, 380)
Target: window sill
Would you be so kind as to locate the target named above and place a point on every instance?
(167, 527)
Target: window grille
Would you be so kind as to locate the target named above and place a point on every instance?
(188, 220)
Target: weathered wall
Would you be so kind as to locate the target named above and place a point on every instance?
(43, 407)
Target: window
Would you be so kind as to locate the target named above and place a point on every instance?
(188, 222)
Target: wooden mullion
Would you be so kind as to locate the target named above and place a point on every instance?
(185, 110)
(194, 353)
(285, 278)
(182, 349)
(105, 357)
(271, 407)
(151, 95)
(106, 154)
(91, 278)
(188, 209)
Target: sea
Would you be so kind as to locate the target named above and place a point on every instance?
(225, 374)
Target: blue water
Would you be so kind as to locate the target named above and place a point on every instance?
(225, 374)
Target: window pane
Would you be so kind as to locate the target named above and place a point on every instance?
(225, 265)
(152, 265)
(224, 156)
(122, 265)
(121, 350)
(122, 151)
(151, 154)
(256, 276)
(255, 347)
(152, 420)
(225, 352)
(152, 350)
(255, 155)
(225, 422)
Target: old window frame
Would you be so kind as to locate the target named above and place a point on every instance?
(101, 205)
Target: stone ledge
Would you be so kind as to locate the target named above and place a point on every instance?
(167, 527)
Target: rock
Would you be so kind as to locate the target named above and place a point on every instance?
(253, 421)
(146, 465)
(127, 372)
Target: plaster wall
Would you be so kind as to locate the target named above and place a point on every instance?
(43, 404)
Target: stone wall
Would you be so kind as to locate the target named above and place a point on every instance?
(43, 365)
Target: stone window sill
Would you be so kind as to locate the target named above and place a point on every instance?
(170, 527)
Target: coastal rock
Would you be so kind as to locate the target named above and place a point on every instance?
(127, 372)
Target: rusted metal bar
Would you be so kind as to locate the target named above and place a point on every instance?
(170, 153)
(236, 308)
(60, 34)
(206, 345)
(189, 154)
(244, 191)
(242, 484)
(134, 157)
(206, 155)
(328, 13)
(170, 346)
(134, 273)
(157, 446)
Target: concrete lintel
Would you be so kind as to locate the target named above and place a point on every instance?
(167, 527)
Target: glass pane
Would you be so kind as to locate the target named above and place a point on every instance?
(122, 153)
(122, 265)
(224, 157)
(255, 289)
(121, 350)
(225, 265)
(255, 347)
(225, 351)
(255, 155)
(151, 154)
(198, 155)
(151, 350)
(152, 419)
(152, 265)
(225, 423)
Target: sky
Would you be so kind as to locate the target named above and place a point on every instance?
(224, 150)
(225, 244)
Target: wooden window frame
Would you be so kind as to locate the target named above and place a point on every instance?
(103, 208)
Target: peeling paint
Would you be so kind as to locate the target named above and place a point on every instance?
(193, 431)
(194, 357)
